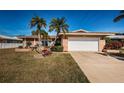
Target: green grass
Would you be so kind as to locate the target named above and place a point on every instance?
(23, 67)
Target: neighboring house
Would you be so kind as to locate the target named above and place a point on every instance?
(82, 40)
(34, 40)
(9, 42)
(116, 37)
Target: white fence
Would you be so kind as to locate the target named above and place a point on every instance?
(10, 45)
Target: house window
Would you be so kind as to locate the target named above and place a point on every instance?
(44, 43)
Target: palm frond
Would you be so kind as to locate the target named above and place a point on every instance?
(33, 22)
(39, 22)
(58, 25)
(122, 11)
(118, 18)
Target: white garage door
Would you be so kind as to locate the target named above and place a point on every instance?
(82, 44)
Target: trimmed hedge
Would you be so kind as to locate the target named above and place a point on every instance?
(57, 49)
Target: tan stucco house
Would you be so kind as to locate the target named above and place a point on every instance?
(82, 40)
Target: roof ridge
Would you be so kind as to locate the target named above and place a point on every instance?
(79, 30)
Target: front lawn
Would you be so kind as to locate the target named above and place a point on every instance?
(23, 67)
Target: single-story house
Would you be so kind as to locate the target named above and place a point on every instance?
(32, 39)
(35, 40)
(82, 40)
(9, 42)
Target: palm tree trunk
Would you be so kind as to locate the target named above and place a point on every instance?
(54, 41)
(39, 38)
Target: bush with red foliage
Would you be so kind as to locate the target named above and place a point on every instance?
(114, 45)
(46, 52)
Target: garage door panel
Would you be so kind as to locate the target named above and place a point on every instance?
(83, 44)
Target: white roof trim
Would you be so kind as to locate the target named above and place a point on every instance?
(80, 30)
(116, 37)
(8, 37)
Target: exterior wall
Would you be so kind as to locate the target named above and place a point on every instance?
(64, 42)
(5, 43)
(101, 44)
(10, 45)
(33, 41)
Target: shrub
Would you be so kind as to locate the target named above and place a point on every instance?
(108, 40)
(114, 45)
(20, 46)
(57, 48)
(58, 42)
(28, 44)
(46, 52)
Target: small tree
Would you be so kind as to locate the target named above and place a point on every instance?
(39, 23)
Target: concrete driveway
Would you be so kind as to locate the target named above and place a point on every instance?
(99, 68)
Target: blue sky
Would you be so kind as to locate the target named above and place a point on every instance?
(16, 22)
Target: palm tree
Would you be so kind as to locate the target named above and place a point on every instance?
(44, 34)
(58, 25)
(39, 23)
(33, 32)
(119, 17)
